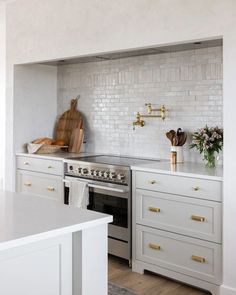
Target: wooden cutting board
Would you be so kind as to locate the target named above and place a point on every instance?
(76, 140)
(69, 121)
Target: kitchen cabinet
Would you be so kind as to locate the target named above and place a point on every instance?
(40, 176)
(177, 227)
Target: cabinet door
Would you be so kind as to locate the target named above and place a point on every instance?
(179, 185)
(43, 185)
(39, 165)
(193, 257)
(183, 215)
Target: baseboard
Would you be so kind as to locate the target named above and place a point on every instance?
(225, 290)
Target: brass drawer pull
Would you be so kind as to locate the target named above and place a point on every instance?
(27, 184)
(154, 246)
(196, 188)
(50, 189)
(50, 167)
(198, 218)
(198, 259)
(26, 163)
(152, 181)
(153, 209)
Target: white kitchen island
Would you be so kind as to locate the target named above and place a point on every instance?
(47, 248)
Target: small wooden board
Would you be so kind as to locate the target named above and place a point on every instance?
(69, 121)
(76, 140)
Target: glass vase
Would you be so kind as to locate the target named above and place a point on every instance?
(210, 159)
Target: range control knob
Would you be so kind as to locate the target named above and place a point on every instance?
(121, 176)
(71, 167)
(101, 173)
(106, 174)
(112, 175)
(79, 170)
(96, 173)
(91, 172)
(84, 171)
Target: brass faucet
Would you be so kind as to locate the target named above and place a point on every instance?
(150, 110)
(138, 121)
(162, 110)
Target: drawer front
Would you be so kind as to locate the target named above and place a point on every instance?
(178, 253)
(179, 185)
(40, 165)
(40, 184)
(188, 216)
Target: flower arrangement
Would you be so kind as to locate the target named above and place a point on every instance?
(208, 141)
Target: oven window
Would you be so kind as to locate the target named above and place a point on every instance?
(115, 206)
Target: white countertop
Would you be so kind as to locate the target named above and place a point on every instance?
(25, 218)
(57, 156)
(187, 169)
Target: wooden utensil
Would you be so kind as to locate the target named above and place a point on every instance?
(69, 121)
(175, 140)
(76, 140)
(182, 139)
(171, 135)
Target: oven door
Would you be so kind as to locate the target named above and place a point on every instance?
(113, 203)
(110, 199)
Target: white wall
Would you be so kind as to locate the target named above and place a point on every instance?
(35, 103)
(188, 83)
(2, 90)
(44, 30)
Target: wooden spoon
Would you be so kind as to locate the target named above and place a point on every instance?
(175, 140)
(182, 139)
(171, 135)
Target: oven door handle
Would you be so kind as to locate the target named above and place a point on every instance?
(108, 188)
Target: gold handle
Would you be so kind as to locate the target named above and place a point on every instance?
(198, 218)
(49, 167)
(152, 181)
(154, 246)
(50, 189)
(153, 209)
(26, 163)
(27, 183)
(196, 188)
(199, 259)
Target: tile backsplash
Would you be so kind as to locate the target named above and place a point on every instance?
(188, 83)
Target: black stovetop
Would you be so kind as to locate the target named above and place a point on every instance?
(113, 160)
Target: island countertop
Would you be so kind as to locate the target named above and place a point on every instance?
(26, 218)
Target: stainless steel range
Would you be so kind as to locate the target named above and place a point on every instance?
(109, 182)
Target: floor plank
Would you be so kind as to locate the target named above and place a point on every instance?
(147, 284)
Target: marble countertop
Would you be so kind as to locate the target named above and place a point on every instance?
(25, 218)
(187, 169)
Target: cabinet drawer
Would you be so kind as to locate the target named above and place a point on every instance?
(40, 184)
(188, 216)
(179, 185)
(40, 165)
(188, 256)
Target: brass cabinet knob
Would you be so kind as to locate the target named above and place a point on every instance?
(50, 189)
(154, 246)
(198, 218)
(154, 209)
(26, 163)
(49, 167)
(196, 188)
(198, 259)
(152, 181)
(27, 184)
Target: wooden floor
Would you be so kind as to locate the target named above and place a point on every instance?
(147, 284)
